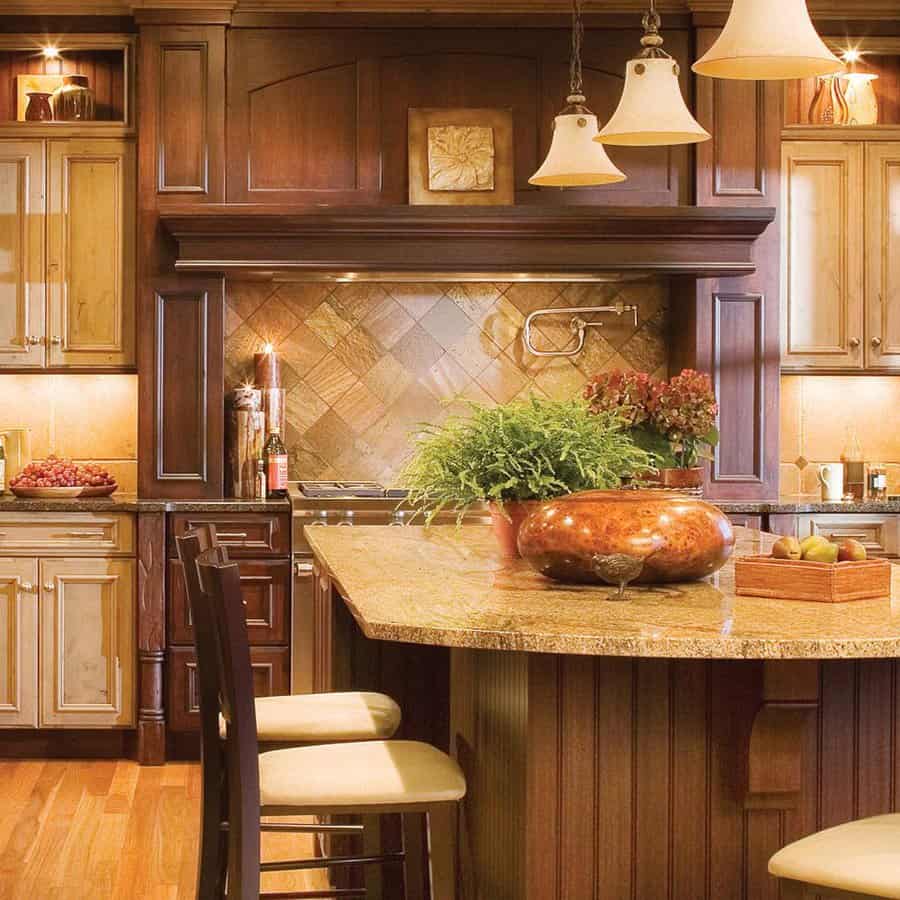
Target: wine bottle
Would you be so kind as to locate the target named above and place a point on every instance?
(276, 465)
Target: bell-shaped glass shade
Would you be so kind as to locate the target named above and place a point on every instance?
(768, 40)
(575, 160)
(652, 111)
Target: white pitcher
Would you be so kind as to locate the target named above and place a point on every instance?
(831, 478)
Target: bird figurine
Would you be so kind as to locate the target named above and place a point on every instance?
(618, 569)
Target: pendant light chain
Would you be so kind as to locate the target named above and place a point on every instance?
(576, 77)
(652, 40)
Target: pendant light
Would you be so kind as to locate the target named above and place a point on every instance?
(768, 40)
(574, 159)
(652, 111)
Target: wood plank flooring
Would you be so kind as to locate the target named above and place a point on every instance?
(112, 830)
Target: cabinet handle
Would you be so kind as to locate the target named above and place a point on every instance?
(876, 342)
(56, 340)
(27, 587)
(87, 534)
(49, 586)
(848, 534)
(855, 342)
(232, 535)
(303, 570)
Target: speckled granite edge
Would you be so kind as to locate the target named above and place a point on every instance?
(129, 503)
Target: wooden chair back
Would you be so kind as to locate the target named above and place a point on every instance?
(220, 583)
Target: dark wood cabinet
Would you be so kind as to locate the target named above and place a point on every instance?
(245, 535)
(182, 394)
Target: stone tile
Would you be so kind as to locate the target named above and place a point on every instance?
(446, 378)
(417, 351)
(791, 417)
(475, 299)
(331, 379)
(304, 407)
(646, 349)
(388, 322)
(29, 402)
(387, 379)
(415, 406)
(95, 416)
(330, 436)
(303, 299)
(475, 393)
(246, 297)
(273, 321)
(233, 320)
(561, 380)
(416, 299)
(789, 479)
(328, 325)
(359, 408)
(596, 353)
(503, 324)
(445, 322)
(502, 380)
(527, 297)
(353, 301)
(360, 463)
(475, 351)
(359, 351)
(302, 349)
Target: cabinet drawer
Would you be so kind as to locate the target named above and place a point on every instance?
(271, 676)
(266, 589)
(880, 535)
(66, 534)
(244, 534)
(747, 520)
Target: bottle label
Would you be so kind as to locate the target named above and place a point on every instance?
(277, 473)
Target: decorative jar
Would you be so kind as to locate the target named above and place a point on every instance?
(73, 100)
(38, 108)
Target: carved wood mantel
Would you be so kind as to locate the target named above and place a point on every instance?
(534, 240)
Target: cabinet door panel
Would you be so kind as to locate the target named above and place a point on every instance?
(883, 255)
(18, 643)
(91, 253)
(87, 642)
(822, 272)
(21, 253)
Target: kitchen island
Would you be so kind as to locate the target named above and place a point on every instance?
(663, 747)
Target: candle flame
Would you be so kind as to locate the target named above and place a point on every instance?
(268, 348)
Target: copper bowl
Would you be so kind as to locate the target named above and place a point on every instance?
(680, 538)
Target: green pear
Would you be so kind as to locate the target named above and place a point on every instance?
(825, 552)
(810, 542)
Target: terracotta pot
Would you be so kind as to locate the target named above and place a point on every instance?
(680, 479)
(680, 538)
(506, 523)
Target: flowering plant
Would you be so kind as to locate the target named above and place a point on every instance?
(675, 421)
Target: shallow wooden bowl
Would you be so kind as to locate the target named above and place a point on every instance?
(47, 493)
(795, 579)
(103, 490)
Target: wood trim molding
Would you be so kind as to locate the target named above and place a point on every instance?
(673, 240)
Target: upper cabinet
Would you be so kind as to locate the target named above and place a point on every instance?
(840, 246)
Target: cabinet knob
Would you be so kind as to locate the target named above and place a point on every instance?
(31, 340)
(27, 587)
(303, 570)
(56, 339)
(876, 342)
(49, 586)
(855, 342)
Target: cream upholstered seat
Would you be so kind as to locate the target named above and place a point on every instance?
(358, 775)
(311, 718)
(860, 857)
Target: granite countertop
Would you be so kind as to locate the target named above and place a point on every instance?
(131, 503)
(446, 586)
(806, 503)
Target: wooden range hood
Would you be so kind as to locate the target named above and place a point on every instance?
(248, 240)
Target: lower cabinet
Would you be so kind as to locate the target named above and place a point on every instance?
(67, 640)
(879, 534)
(747, 520)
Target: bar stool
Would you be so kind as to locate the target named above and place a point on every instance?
(283, 721)
(848, 862)
(357, 778)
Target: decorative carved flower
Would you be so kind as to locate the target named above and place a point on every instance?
(460, 158)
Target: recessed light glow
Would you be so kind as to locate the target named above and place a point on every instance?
(50, 52)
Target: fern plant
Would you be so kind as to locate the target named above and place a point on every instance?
(527, 450)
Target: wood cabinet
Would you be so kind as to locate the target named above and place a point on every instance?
(882, 200)
(841, 209)
(22, 297)
(260, 544)
(18, 643)
(67, 236)
(87, 642)
(879, 534)
(67, 621)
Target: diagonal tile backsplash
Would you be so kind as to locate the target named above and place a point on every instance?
(365, 363)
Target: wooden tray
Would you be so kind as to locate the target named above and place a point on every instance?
(789, 579)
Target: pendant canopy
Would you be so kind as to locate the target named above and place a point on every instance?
(652, 111)
(574, 159)
(767, 40)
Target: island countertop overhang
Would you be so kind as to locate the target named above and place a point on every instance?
(447, 587)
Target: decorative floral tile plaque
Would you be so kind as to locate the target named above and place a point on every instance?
(460, 158)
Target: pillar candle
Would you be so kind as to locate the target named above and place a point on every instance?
(268, 373)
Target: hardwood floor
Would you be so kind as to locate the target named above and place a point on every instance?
(111, 830)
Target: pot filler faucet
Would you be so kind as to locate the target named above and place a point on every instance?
(578, 326)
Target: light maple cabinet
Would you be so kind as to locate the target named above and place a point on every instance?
(67, 620)
(67, 237)
(879, 534)
(840, 246)
(822, 254)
